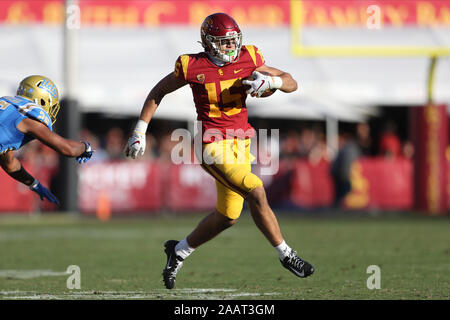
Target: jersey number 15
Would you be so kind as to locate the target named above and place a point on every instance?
(215, 107)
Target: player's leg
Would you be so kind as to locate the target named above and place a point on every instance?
(263, 216)
(208, 228)
(238, 177)
(267, 223)
(228, 209)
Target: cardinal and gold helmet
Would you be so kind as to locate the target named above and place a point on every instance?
(216, 29)
(42, 91)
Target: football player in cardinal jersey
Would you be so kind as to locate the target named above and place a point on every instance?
(28, 116)
(218, 81)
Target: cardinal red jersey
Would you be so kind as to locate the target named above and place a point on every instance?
(219, 94)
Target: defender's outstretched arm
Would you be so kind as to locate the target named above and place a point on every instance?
(66, 147)
(14, 169)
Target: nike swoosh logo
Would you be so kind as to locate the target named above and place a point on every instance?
(263, 81)
(301, 274)
(236, 71)
(135, 143)
(168, 260)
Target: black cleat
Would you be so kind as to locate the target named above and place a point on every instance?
(297, 266)
(173, 264)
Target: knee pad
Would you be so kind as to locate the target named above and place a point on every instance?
(232, 211)
(247, 180)
(251, 182)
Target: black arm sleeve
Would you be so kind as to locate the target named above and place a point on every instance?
(22, 175)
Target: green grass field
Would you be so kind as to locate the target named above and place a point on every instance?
(124, 258)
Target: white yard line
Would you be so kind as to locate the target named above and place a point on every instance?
(29, 274)
(182, 294)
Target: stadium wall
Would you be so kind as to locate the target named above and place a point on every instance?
(151, 187)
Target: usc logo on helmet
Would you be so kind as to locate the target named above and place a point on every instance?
(207, 24)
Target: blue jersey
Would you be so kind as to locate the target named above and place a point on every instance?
(12, 111)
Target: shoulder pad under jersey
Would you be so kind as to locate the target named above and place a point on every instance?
(31, 110)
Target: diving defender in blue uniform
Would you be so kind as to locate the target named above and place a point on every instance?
(30, 115)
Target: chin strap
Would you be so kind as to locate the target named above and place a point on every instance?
(216, 61)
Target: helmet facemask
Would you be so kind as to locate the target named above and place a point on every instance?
(213, 45)
(51, 109)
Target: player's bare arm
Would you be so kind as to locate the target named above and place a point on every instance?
(136, 143)
(66, 147)
(288, 84)
(167, 85)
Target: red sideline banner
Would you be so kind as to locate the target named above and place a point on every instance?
(190, 188)
(140, 186)
(126, 186)
(376, 183)
(311, 184)
(15, 196)
(379, 183)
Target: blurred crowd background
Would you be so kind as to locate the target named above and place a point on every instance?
(298, 139)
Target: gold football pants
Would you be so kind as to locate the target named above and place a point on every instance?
(229, 162)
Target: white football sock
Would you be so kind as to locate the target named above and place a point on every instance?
(283, 250)
(183, 250)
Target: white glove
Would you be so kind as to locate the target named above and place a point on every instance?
(136, 144)
(262, 83)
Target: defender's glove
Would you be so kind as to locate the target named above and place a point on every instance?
(43, 192)
(87, 154)
(136, 144)
(261, 83)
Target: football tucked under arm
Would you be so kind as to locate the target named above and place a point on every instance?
(261, 84)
